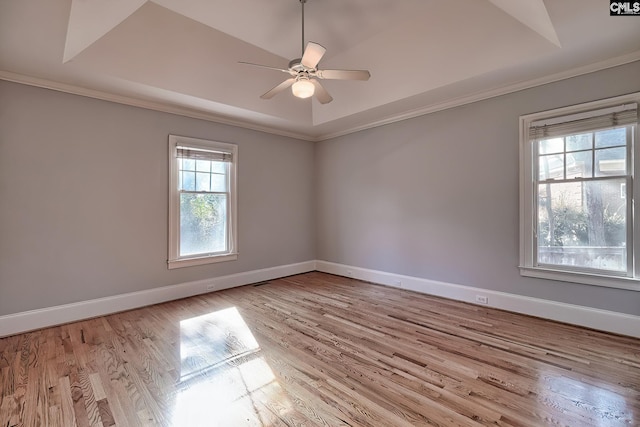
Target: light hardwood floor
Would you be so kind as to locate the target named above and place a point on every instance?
(316, 349)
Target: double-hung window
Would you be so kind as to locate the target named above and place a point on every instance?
(577, 194)
(202, 201)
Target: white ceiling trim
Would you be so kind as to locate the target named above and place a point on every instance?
(141, 103)
(181, 111)
(503, 90)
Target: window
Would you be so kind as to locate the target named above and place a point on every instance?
(577, 193)
(202, 201)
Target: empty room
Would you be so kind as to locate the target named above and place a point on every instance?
(319, 213)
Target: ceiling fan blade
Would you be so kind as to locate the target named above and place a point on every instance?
(343, 74)
(263, 66)
(276, 90)
(312, 55)
(321, 93)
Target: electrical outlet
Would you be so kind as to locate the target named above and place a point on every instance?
(482, 299)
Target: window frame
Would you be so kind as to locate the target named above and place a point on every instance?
(174, 259)
(629, 280)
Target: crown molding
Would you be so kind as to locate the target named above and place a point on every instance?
(491, 93)
(146, 104)
(427, 109)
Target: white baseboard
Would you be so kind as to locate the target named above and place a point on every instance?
(603, 320)
(35, 319)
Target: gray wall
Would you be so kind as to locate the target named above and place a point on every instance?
(436, 196)
(83, 198)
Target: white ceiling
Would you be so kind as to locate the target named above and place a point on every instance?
(182, 55)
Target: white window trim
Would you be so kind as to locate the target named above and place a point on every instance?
(527, 214)
(174, 260)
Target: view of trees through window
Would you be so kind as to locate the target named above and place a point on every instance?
(582, 200)
(203, 206)
(202, 223)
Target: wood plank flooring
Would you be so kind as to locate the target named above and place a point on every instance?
(318, 350)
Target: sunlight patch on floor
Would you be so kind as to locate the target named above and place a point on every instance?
(224, 380)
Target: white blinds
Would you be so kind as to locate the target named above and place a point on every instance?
(621, 115)
(201, 154)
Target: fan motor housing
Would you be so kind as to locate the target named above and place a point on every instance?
(296, 65)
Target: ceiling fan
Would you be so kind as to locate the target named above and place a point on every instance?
(305, 73)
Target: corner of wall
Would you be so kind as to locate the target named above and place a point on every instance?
(603, 320)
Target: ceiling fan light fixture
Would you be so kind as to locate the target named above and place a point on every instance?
(303, 88)
(304, 73)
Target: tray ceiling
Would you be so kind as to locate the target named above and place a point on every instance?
(422, 54)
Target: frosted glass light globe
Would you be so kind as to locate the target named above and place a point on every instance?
(303, 88)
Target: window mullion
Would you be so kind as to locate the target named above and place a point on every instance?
(564, 157)
(203, 192)
(593, 154)
(581, 179)
(630, 195)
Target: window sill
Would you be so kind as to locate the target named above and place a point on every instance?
(628, 283)
(211, 259)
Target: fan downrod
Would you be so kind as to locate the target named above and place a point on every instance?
(302, 2)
